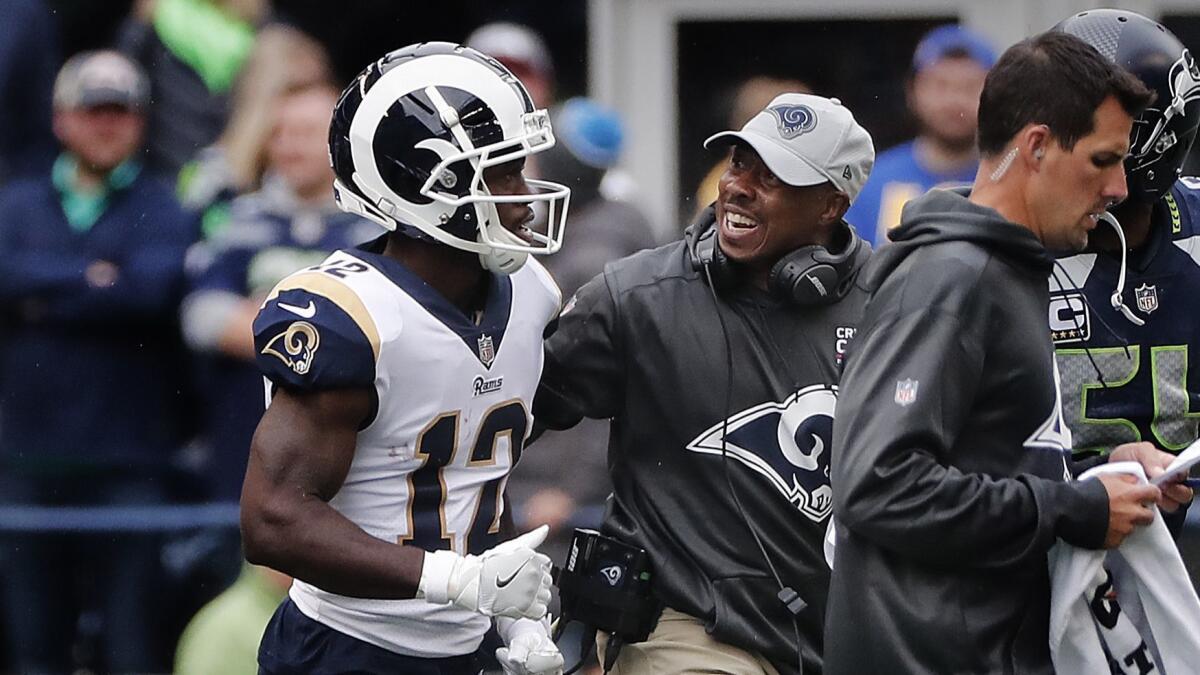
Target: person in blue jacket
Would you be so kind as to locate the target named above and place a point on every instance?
(948, 69)
(91, 264)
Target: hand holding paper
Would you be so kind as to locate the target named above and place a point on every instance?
(1164, 470)
(1178, 469)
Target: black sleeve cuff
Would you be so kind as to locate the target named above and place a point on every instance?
(1082, 513)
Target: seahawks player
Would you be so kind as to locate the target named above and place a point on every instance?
(401, 377)
(1123, 314)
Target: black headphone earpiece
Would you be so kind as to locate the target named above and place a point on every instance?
(706, 253)
(810, 276)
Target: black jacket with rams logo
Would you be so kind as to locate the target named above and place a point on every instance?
(642, 345)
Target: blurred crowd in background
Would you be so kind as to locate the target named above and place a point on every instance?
(163, 164)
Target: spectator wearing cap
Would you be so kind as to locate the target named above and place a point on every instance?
(522, 51)
(948, 69)
(715, 361)
(91, 264)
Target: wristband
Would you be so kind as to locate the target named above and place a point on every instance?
(436, 573)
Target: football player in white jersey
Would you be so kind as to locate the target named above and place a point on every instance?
(401, 376)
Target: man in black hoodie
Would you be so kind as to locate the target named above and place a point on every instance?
(721, 471)
(953, 477)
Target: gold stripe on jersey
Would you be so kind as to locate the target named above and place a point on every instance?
(337, 293)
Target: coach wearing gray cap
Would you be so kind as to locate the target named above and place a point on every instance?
(716, 358)
(91, 257)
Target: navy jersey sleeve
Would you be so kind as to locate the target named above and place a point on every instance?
(306, 341)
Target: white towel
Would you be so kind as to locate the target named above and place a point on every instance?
(1151, 623)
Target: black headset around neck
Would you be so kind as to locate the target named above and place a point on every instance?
(809, 276)
(806, 277)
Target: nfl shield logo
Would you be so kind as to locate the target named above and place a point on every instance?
(906, 392)
(1147, 298)
(487, 353)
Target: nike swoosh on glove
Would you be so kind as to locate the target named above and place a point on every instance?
(529, 650)
(510, 579)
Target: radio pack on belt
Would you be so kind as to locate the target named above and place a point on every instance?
(605, 584)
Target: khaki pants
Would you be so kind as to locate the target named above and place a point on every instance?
(679, 644)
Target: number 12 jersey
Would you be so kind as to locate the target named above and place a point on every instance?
(453, 396)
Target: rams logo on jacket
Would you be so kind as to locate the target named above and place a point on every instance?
(787, 443)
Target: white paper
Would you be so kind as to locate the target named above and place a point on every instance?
(1181, 465)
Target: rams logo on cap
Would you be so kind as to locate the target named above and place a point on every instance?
(793, 120)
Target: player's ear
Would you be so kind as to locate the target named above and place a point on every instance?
(1035, 138)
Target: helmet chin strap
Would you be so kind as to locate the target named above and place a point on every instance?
(498, 260)
(1117, 302)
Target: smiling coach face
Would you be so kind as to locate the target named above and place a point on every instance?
(793, 170)
(760, 218)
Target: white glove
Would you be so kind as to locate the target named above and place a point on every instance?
(529, 650)
(510, 579)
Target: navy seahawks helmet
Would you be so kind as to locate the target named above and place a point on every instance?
(412, 135)
(1163, 134)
